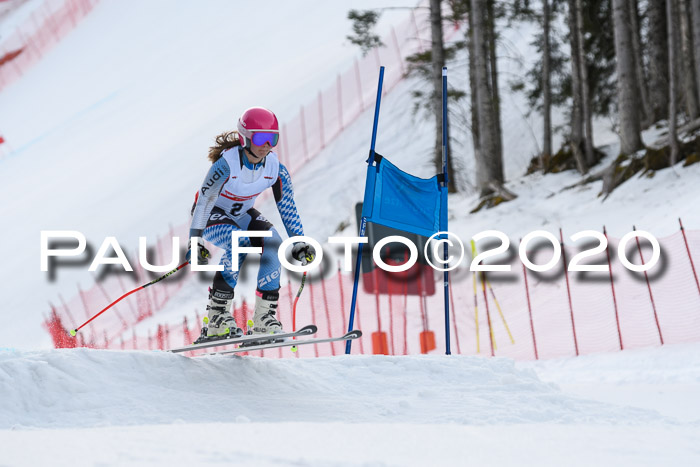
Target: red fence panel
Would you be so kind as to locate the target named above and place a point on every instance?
(518, 313)
(40, 32)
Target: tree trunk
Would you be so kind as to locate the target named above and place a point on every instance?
(627, 91)
(695, 7)
(658, 59)
(546, 88)
(493, 68)
(639, 64)
(489, 167)
(577, 104)
(473, 93)
(585, 98)
(687, 69)
(438, 61)
(672, 78)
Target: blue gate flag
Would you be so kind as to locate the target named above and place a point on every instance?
(400, 200)
(397, 199)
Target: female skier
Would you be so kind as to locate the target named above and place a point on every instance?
(244, 165)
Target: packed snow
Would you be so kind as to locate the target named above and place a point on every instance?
(95, 407)
(131, 100)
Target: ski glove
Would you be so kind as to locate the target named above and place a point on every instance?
(304, 253)
(203, 254)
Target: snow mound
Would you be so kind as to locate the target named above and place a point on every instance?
(87, 388)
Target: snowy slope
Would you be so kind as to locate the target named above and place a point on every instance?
(665, 379)
(109, 132)
(118, 147)
(63, 388)
(158, 408)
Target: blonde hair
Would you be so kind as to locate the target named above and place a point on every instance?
(224, 141)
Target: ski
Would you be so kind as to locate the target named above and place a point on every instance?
(348, 336)
(305, 331)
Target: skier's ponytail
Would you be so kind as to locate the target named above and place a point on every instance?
(224, 141)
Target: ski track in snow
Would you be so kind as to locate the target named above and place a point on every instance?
(352, 444)
(146, 408)
(85, 387)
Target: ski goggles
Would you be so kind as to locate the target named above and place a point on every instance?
(262, 137)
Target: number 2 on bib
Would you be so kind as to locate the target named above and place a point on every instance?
(236, 209)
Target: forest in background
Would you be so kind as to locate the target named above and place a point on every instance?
(636, 62)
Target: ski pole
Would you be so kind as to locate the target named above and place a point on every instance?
(75, 331)
(294, 307)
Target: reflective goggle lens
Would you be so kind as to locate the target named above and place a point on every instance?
(261, 138)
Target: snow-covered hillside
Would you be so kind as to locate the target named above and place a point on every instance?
(118, 146)
(96, 407)
(109, 133)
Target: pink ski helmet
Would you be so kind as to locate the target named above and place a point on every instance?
(258, 125)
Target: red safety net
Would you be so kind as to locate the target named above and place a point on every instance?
(519, 314)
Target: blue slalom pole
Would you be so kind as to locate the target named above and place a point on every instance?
(376, 116)
(446, 274)
(363, 221)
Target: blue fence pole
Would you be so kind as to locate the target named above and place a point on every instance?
(446, 274)
(363, 222)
